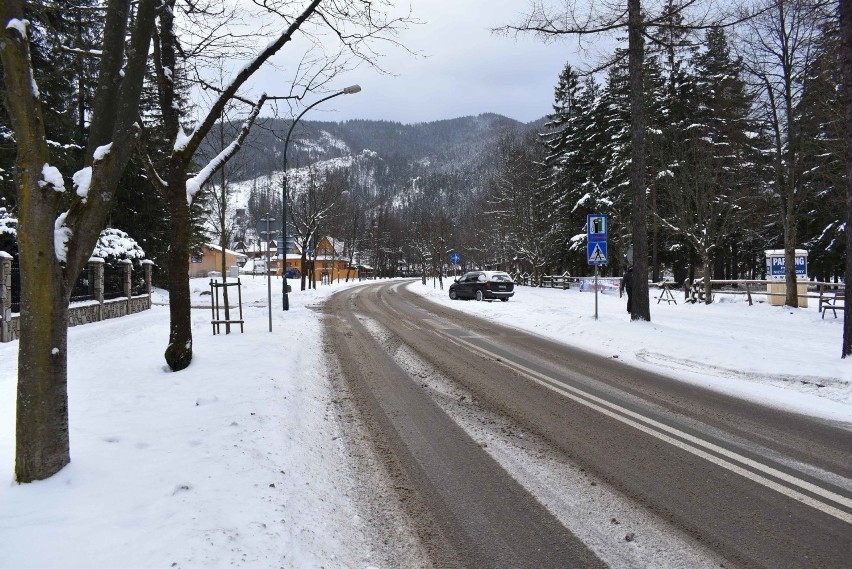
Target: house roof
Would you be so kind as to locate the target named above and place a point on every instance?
(336, 244)
(227, 251)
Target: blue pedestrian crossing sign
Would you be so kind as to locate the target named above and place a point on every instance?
(455, 258)
(597, 229)
(597, 253)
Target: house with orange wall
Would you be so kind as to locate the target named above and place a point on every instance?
(329, 261)
(209, 258)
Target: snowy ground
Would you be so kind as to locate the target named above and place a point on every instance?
(239, 459)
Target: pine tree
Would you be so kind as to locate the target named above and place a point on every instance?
(820, 112)
(614, 151)
(716, 169)
(671, 106)
(64, 36)
(563, 165)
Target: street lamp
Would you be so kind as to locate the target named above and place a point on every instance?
(285, 301)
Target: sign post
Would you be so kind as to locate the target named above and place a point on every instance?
(455, 258)
(597, 230)
(269, 233)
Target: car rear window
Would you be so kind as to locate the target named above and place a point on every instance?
(501, 277)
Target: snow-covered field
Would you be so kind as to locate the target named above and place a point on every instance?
(238, 460)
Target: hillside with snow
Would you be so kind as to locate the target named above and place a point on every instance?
(382, 164)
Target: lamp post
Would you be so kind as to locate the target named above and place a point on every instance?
(285, 301)
(268, 234)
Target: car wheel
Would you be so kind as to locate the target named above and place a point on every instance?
(453, 295)
(504, 300)
(479, 295)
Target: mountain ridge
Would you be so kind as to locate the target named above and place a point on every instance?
(460, 144)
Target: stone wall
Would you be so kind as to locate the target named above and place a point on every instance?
(79, 313)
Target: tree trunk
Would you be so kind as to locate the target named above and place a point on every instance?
(708, 274)
(42, 441)
(790, 171)
(846, 67)
(641, 303)
(792, 298)
(223, 228)
(42, 444)
(304, 264)
(655, 238)
(179, 351)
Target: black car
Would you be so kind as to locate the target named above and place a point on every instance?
(483, 285)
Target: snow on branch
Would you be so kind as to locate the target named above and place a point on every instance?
(78, 51)
(61, 235)
(51, 178)
(83, 181)
(19, 25)
(194, 184)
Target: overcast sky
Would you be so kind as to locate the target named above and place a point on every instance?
(464, 69)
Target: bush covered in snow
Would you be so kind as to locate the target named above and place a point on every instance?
(115, 247)
(115, 244)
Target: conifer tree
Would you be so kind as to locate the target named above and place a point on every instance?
(670, 105)
(820, 112)
(562, 163)
(716, 169)
(64, 57)
(613, 197)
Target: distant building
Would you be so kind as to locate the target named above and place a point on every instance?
(329, 259)
(209, 258)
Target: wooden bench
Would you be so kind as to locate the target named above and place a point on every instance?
(833, 302)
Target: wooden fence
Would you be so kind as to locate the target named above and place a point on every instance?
(825, 292)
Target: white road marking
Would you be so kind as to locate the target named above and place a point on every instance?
(659, 430)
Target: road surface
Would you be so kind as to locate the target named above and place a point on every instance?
(467, 417)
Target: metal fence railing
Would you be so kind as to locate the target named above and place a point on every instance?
(16, 288)
(113, 281)
(84, 288)
(137, 280)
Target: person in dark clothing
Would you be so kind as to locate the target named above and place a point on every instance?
(627, 285)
